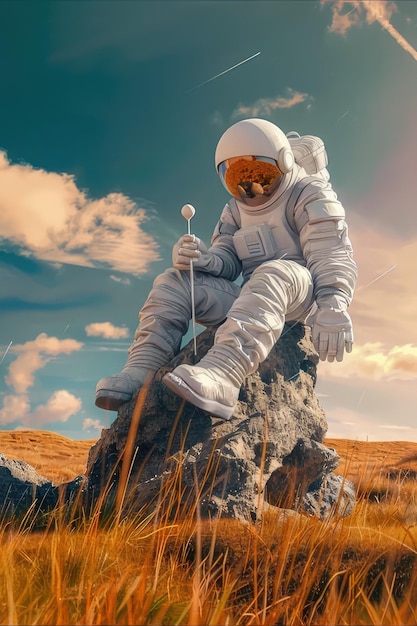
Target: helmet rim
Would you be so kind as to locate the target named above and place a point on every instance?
(258, 137)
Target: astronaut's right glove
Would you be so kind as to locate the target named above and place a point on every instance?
(190, 247)
(331, 332)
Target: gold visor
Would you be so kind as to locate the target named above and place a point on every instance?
(248, 176)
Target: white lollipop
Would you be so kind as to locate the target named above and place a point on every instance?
(188, 211)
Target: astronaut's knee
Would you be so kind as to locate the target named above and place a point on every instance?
(278, 267)
(171, 276)
(290, 270)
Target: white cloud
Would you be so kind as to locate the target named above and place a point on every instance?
(385, 302)
(372, 362)
(48, 217)
(59, 408)
(90, 423)
(106, 330)
(346, 423)
(369, 10)
(15, 408)
(342, 19)
(216, 119)
(349, 13)
(395, 427)
(119, 279)
(33, 355)
(266, 106)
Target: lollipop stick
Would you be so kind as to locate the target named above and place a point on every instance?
(188, 211)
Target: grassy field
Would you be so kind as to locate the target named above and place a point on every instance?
(161, 569)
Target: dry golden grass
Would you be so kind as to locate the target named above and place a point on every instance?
(57, 458)
(367, 457)
(170, 568)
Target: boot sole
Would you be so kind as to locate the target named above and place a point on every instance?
(180, 388)
(111, 400)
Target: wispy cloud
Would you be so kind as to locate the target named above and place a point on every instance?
(372, 361)
(32, 356)
(266, 106)
(119, 279)
(59, 408)
(92, 424)
(344, 16)
(395, 427)
(106, 330)
(371, 11)
(385, 301)
(354, 425)
(49, 218)
(15, 409)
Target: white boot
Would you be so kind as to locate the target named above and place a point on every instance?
(213, 384)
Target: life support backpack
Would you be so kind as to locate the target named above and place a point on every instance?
(310, 153)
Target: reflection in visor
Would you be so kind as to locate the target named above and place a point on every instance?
(248, 176)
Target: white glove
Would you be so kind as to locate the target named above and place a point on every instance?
(331, 333)
(190, 247)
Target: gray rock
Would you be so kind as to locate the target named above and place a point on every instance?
(307, 463)
(22, 487)
(330, 496)
(168, 455)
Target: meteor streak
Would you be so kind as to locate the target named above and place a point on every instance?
(378, 277)
(229, 69)
(4, 355)
(342, 116)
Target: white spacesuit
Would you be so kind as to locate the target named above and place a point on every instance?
(285, 232)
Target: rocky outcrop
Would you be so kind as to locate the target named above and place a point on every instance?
(161, 453)
(165, 456)
(23, 489)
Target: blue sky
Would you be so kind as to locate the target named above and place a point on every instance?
(108, 124)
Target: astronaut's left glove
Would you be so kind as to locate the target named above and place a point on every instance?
(331, 330)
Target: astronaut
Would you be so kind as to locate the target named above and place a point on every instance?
(284, 231)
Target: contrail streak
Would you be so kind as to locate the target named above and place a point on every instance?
(398, 38)
(349, 12)
(378, 277)
(360, 399)
(4, 355)
(377, 12)
(229, 69)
